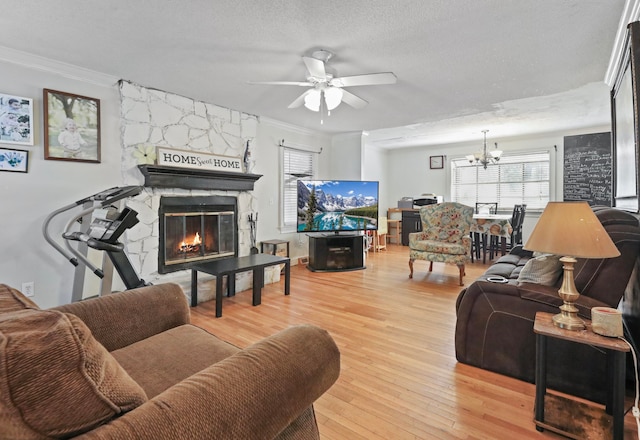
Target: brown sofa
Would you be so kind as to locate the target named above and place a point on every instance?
(494, 327)
(130, 366)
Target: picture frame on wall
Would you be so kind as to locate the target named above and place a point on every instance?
(16, 120)
(436, 162)
(72, 127)
(14, 160)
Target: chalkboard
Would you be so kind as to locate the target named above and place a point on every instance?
(588, 168)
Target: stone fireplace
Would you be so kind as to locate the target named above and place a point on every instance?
(196, 229)
(152, 118)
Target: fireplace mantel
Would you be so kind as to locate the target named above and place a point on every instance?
(158, 176)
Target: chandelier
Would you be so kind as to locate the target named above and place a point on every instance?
(483, 158)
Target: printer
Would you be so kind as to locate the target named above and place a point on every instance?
(425, 199)
(417, 202)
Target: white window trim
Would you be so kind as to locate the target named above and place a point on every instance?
(292, 228)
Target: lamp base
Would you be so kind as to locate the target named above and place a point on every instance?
(568, 322)
(568, 318)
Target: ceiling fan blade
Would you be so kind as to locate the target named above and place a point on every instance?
(283, 83)
(353, 100)
(315, 67)
(299, 100)
(365, 80)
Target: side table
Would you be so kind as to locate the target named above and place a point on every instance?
(615, 349)
(275, 247)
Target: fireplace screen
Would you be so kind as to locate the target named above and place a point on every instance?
(197, 236)
(195, 229)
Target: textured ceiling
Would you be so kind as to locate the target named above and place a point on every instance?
(485, 61)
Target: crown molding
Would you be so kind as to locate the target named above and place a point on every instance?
(293, 128)
(630, 14)
(54, 67)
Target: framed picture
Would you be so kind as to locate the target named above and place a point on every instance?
(16, 120)
(13, 160)
(624, 116)
(436, 162)
(72, 127)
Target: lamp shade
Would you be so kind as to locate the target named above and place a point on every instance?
(572, 229)
(312, 100)
(333, 97)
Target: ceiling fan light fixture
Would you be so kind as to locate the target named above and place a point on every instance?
(332, 97)
(312, 100)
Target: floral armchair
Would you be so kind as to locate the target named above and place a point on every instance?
(444, 237)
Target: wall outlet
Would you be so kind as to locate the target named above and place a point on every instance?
(28, 288)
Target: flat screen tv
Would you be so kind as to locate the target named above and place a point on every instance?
(337, 205)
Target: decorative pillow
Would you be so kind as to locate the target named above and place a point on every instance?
(12, 300)
(544, 269)
(57, 380)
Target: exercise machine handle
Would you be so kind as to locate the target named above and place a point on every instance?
(92, 242)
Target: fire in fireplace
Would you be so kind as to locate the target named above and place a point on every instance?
(196, 229)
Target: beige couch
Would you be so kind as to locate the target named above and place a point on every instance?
(130, 366)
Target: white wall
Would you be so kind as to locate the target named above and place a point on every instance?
(374, 167)
(346, 158)
(26, 199)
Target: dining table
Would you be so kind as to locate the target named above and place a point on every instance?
(486, 225)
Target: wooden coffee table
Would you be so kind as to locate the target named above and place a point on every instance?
(231, 266)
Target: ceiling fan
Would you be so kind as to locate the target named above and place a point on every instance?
(326, 91)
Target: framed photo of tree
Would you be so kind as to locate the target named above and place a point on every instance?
(72, 127)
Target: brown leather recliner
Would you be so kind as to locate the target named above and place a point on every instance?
(494, 328)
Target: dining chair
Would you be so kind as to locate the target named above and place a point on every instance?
(517, 220)
(486, 208)
(478, 240)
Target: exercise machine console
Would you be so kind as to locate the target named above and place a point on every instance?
(108, 223)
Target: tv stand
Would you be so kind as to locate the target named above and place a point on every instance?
(336, 253)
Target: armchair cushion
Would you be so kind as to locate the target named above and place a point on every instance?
(542, 269)
(418, 242)
(148, 364)
(57, 380)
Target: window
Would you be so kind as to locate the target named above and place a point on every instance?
(516, 179)
(296, 164)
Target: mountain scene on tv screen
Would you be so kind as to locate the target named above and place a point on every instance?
(337, 205)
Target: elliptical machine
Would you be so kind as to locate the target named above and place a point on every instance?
(107, 224)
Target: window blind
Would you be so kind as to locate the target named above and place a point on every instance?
(516, 179)
(297, 164)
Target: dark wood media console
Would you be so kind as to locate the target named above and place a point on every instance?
(332, 253)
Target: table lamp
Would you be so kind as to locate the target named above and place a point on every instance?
(573, 230)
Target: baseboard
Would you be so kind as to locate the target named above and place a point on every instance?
(303, 261)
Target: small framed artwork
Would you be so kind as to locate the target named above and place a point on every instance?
(16, 120)
(13, 160)
(72, 127)
(436, 162)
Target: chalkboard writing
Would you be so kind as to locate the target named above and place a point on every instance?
(588, 168)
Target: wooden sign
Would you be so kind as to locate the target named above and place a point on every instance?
(200, 161)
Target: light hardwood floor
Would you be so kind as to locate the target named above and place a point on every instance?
(399, 377)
